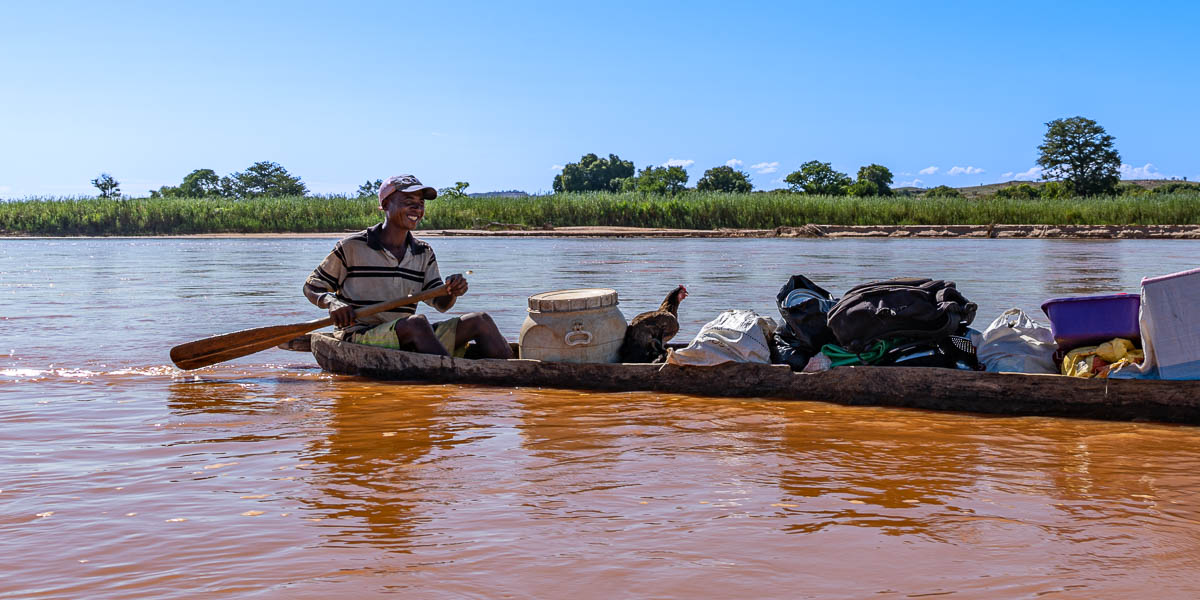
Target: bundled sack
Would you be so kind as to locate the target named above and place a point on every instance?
(1015, 343)
(734, 336)
(803, 305)
(1099, 361)
(909, 308)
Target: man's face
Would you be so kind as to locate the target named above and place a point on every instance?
(405, 207)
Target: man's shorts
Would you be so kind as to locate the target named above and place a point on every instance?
(384, 336)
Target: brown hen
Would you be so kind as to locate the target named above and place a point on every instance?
(647, 335)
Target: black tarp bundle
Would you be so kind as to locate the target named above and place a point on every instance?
(803, 306)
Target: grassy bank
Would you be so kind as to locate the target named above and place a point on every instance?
(691, 210)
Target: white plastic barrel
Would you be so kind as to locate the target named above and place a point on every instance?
(579, 326)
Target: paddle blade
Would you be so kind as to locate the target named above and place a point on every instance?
(219, 348)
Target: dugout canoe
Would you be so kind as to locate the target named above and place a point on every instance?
(908, 387)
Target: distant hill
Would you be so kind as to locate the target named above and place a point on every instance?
(975, 191)
(500, 194)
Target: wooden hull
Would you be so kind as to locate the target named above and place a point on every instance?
(924, 388)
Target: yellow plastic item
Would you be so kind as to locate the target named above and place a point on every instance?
(1098, 361)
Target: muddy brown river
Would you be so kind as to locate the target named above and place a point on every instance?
(123, 477)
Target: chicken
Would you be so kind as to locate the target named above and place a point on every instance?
(647, 335)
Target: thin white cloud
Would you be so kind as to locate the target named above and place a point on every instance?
(930, 170)
(436, 133)
(913, 183)
(763, 168)
(679, 162)
(556, 167)
(733, 162)
(956, 170)
(1144, 172)
(1030, 175)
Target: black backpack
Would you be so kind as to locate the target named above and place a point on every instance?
(803, 306)
(909, 308)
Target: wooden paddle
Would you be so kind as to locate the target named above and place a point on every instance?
(220, 348)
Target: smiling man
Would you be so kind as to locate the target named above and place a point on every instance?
(386, 262)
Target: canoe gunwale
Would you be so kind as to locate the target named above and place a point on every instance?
(907, 387)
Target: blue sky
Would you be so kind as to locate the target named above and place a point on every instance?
(498, 94)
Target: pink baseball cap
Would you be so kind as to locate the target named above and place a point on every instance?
(405, 183)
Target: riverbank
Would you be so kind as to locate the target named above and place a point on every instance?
(859, 231)
(1132, 232)
(716, 214)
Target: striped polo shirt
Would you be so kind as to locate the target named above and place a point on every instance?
(360, 272)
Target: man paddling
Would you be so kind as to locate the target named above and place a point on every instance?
(385, 262)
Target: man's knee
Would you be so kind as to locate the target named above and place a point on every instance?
(413, 324)
(477, 323)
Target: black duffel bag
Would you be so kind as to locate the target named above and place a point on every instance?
(910, 308)
(803, 306)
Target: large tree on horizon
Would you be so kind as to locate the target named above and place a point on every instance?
(816, 177)
(263, 178)
(594, 174)
(875, 180)
(1079, 151)
(725, 179)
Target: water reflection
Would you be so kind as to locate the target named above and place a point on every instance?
(1089, 268)
(888, 472)
(373, 468)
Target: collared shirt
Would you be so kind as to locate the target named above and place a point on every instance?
(361, 272)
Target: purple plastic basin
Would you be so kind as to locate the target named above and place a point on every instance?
(1091, 320)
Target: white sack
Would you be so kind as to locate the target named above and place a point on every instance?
(1015, 343)
(734, 336)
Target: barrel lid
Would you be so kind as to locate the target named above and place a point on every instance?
(572, 300)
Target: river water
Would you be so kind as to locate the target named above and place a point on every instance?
(121, 476)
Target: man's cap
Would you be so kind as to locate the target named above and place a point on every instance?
(405, 183)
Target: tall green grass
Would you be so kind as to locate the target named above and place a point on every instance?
(691, 210)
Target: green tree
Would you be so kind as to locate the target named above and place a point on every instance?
(862, 189)
(593, 174)
(263, 179)
(370, 188)
(109, 187)
(943, 191)
(816, 177)
(724, 179)
(458, 191)
(661, 180)
(200, 183)
(878, 176)
(165, 191)
(1079, 151)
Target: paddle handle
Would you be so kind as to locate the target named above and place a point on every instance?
(367, 311)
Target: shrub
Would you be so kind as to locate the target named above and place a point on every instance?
(1057, 189)
(943, 191)
(1023, 191)
(1176, 187)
